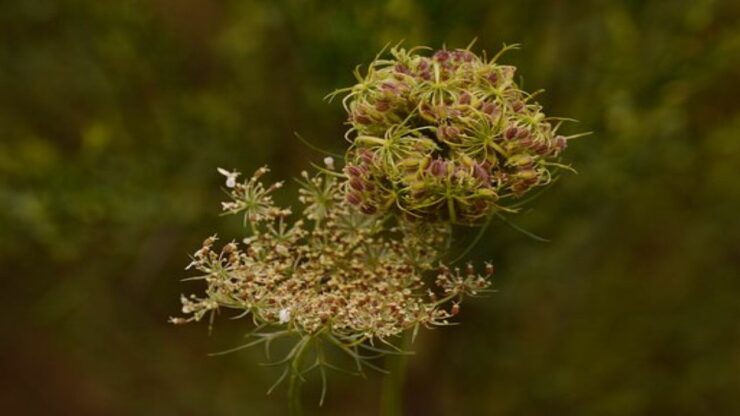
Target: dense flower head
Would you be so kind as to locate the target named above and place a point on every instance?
(447, 136)
(335, 272)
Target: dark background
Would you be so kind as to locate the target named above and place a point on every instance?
(115, 114)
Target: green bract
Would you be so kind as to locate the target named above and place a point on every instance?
(445, 137)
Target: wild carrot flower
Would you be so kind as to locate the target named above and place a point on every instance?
(449, 136)
(335, 276)
(435, 140)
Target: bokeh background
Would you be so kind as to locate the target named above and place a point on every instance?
(115, 114)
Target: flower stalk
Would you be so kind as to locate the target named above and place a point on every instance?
(391, 399)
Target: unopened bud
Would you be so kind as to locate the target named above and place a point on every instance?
(367, 157)
(511, 132)
(356, 184)
(480, 173)
(441, 56)
(448, 133)
(401, 68)
(561, 143)
(489, 108)
(438, 168)
(368, 209)
(353, 198)
(464, 98)
(382, 105)
(362, 119)
(354, 171)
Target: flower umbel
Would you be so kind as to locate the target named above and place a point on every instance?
(446, 137)
(336, 276)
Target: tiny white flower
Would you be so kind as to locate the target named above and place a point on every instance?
(230, 177)
(284, 315)
(282, 250)
(329, 162)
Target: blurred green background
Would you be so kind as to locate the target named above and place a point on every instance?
(115, 114)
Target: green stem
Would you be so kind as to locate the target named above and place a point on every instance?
(391, 399)
(370, 140)
(295, 381)
(294, 392)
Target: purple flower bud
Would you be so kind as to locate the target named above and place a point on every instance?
(438, 168)
(465, 98)
(361, 118)
(462, 55)
(356, 184)
(511, 132)
(388, 87)
(517, 106)
(561, 143)
(354, 171)
(492, 78)
(427, 110)
(401, 68)
(368, 209)
(489, 108)
(382, 105)
(523, 133)
(541, 148)
(448, 133)
(367, 157)
(442, 56)
(480, 173)
(353, 198)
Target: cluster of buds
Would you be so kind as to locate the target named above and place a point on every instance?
(445, 137)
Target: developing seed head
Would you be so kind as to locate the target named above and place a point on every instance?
(442, 136)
